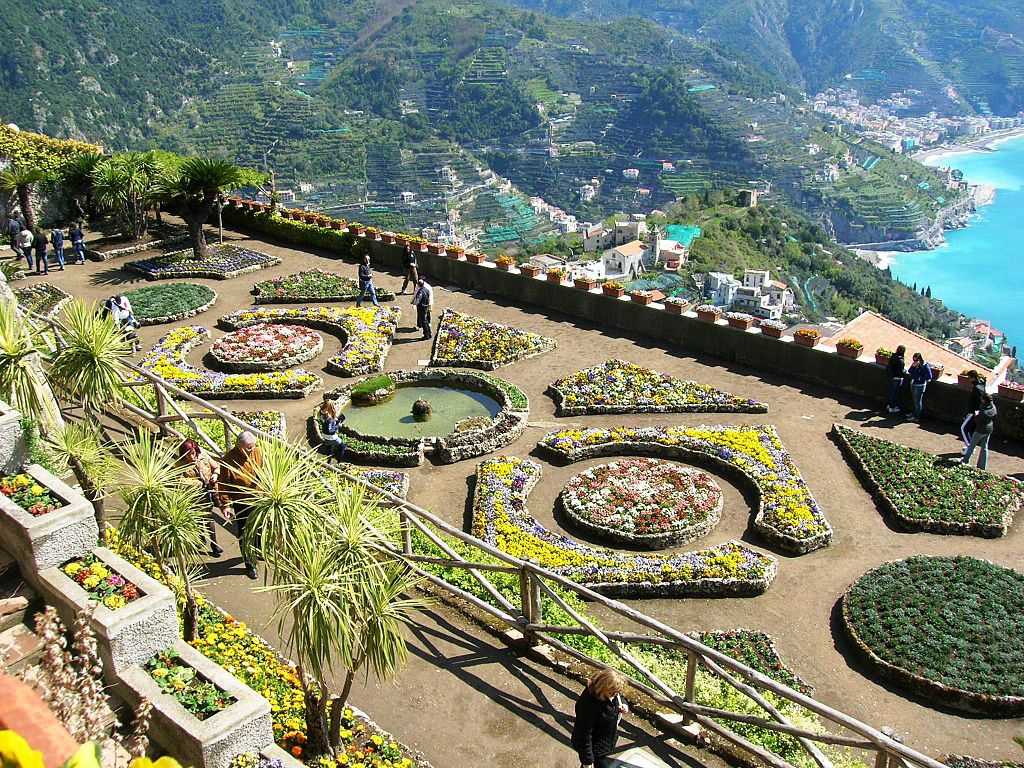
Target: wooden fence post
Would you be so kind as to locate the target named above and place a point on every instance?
(406, 531)
(161, 410)
(691, 676)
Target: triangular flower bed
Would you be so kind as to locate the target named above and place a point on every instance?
(472, 342)
(927, 493)
(621, 387)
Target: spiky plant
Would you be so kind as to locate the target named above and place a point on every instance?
(22, 382)
(79, 447)
(127, 184)
(180, 537)
(193, 189)
(22, 181)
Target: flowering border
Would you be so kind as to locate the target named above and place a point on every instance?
(304, 355)
(537, 344)
(267, 293)
(884, 494)
(215, 267)
(167, 360)
(787, 513)
(502, 519)
(368, 331)
(50, 299)
(572, 399)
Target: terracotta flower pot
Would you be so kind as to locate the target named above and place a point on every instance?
(964, 381)
(849, 352)
(1011, 393)
(807, 341)
(741, 324)
(357, 231)
(708, 317)
(435, 248)
(476, 258)
(675, 309)
(772, 333)
(402, 241)
(504, 266)
(641, 300)
(881, 359)
(613, 292)
(585, 285)
(529, 270)
(456, 255)
(938, 370)
(554, 277)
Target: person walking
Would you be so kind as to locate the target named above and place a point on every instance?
(39, 242)
(411, 262)
(76, 204)
(598, 711)
(920, 374)
(896, 369)
(331, 418)
(25, 240)
(366, 282)
(13, 230)
(57, 241)
(201, 470)
(973, 405)
(984, 424)
(77, 237)
(423, 300)
(237, 481)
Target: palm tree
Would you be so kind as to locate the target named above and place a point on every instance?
(21, 181)
(87, 365)
(22, 381)
(127, 184)
(77, 175)
(79, 447)
(194, 188)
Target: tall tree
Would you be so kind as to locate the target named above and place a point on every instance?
(22, 182)
(193, 189)
(77, 175)
(127, 184)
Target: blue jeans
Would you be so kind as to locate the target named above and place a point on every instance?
(978, 440)
(895, 384)
(335, 445)
(367, 288)
(59, 253)
(917, 393)
(79, 251)
(42, 263)
(423, 319)
(27, 253)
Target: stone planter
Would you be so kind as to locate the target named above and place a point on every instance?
(435, 248)
(771, 333)
(529, 270)
(554, 277)
(741, 324)
(244, 726)
(39, 543)
(807, 341)
(13, 451)
(881, 359)
(641, 300)
(849, 352)
(129, 635)
(504, 266)
(1011, 393)
(613, 292)
(708, 317)
(585, 285)
(476, 258)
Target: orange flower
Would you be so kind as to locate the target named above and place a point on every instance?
(296, 750)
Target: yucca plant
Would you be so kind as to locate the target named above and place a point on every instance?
(180, 536)
(21, 181)
(79, 447)
(128, 184)
(87, 366)
(22, 381)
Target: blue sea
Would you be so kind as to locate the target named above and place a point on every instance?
(979, 272)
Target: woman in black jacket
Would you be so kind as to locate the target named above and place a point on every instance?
(598, 710)
(897, 368)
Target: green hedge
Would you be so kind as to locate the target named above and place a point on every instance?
(298, 232)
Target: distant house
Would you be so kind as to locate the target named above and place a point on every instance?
(720, 288)
(626, 261)
(601, 239)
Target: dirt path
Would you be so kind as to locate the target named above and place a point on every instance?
(509, 711)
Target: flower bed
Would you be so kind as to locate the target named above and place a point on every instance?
(167, 360)
(222, 263)
(266, 347)
(41, 298)
(368, 332)
(312, 286)
(175, 678)
(755, 649)
(395, 483)
(787, 513)
(472, 342)
(25, 491)
(271, 422)
(168, 303)
(949, 628)
(106, 254)
(501, 518)
(101, 582)
(621, 387)
(927, 493)
(643, 502)
(963, 761)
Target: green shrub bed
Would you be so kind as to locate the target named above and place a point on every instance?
(951, 629)
(170, 302)
(926, 493)
(311, 287)
(43, 299)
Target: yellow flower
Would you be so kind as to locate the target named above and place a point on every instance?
(16, 753)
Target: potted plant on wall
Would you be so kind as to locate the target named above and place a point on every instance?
(356, 228)
(849, 347)
(505, 263)
(675, 305)
(557, 276)
(476, 258)
(613, 288)
(964, 380)
(435, 248)
(641, 297)
(1011, 390)
(529, 270)
(372, 233)
(454, 251)
(337, 224)
(709, 313)
(807, 337)
(882, 355)
(585, 283)
(773, 328)
(740, 320)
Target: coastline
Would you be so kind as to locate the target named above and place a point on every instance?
(986, 142)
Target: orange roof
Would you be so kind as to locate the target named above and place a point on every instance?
(874, 331)
(635, 248)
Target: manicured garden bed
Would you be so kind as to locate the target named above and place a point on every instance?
(472, 342)
(101, 582)
(368, 331)
(41, 298)
(198, 696)
(312, 286)
(167, 360)
(25, 491)
(222, 263)
(643, 502)
(170, 302)
(621, 387)
(787, 513)
(927, 493)
(266, 347)
(951, 629)
(501, 518)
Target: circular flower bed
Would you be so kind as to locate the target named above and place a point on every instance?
(170, 302)
(266, 347)
(949, 628)
(644, 502)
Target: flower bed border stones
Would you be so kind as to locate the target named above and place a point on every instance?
(965, 761)
(131, 250)
(43, 299)
(893, 500)
(314, 345)
(172, 317)
(225, 262)
(167, 360)
(502, 519)
(581, 510)
(530, 344)
(345, 289)
(587, 400)
(243, 726)
(127, 636)
(368, 331)
(721, 448)
(961, 605)
(38, 543)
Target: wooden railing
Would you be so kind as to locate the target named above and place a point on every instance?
(173, 407)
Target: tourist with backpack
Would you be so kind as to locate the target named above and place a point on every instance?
(57, 241)
(77, 241)
(920, 374)
(984, 424)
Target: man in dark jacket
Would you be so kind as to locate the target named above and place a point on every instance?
(42, 260)
(973, 405)
(57, 240)
(896, 369)
(984, 423)
(77, 242)
(14, 229)
(366, 282)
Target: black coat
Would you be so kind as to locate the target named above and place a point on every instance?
(597, 727)
(897, 366)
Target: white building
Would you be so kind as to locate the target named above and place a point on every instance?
(757, 295)
(625, 261)
(587, 193)
(720, 288)
(631, 173)
(600, 239)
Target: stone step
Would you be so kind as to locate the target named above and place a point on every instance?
(19, 603)
(638, 757)
(20, 647)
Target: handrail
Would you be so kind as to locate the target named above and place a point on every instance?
(536, 581)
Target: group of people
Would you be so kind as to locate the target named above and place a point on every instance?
(34, 245)
(977, 426)
(423, 293)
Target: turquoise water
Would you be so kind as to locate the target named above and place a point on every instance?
(978, 272)
(394, 418)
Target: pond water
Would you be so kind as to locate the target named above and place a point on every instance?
(394, 418)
